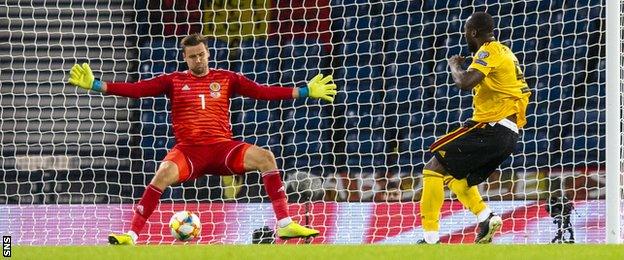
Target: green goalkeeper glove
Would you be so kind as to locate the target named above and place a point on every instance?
(320, 88)
(82, 76)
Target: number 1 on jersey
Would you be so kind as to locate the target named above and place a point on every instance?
(203, 100)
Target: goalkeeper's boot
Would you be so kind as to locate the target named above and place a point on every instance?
(487, 228)
(294, 230)
(120, 239)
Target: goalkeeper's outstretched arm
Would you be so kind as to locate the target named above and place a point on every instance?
(81, 76)
(319, 87)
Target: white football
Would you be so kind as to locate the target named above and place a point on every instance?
(185, 225)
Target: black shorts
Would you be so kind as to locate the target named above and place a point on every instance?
(474, 150)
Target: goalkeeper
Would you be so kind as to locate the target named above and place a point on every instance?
(467, 156)
(200, 100)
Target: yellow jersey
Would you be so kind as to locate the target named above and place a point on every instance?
(503, 91)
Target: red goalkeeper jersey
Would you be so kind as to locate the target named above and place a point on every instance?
(200, 105)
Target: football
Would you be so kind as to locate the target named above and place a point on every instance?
(185, 226)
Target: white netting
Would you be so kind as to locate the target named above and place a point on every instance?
(68, 149)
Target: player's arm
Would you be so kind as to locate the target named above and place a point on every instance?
(82, 76)
(464, 79)
(319, 88)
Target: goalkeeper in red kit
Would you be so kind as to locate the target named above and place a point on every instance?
(200, 99)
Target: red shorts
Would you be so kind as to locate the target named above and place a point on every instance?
(221, 158)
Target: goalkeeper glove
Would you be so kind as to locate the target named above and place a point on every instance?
(319, 88)
(82, 76)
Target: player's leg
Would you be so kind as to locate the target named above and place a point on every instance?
(453, 155)
(432, 200)
(263, 160)
(434, 178)
(167, 174)
(470, 197)
(482, 151)
(433, 184)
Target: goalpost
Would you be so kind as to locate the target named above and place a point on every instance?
(615, 89)
(73, 163)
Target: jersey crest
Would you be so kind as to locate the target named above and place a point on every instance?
(215, 90)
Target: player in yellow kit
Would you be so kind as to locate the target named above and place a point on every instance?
(467, 156)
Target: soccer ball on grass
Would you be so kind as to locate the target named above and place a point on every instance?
(185, 226)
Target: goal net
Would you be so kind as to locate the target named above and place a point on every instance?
(74, 163)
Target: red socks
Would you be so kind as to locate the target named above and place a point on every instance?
(146, 206)
(151, 196)
(275, 190)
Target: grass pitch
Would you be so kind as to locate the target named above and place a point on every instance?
(323, 252)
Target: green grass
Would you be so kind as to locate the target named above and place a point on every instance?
(323, 252)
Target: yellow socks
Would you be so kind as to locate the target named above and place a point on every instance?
(468, 196)
(433, 198)
(431, 201)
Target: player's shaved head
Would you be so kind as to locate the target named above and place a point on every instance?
(479, 28)
(481, 22)
(193, 40)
